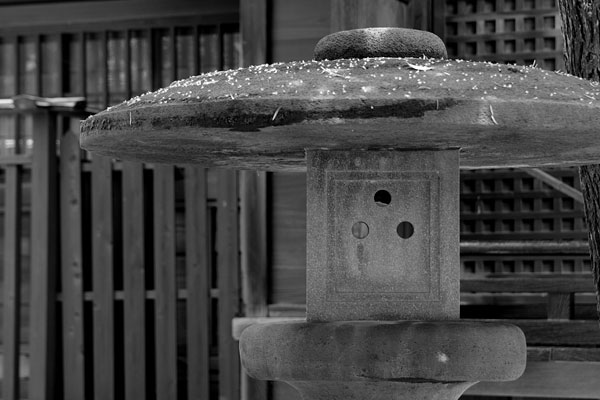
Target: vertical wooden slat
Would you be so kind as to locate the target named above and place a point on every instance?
(104, 70)
(38, 70)
(102, 278)
(71, 263)
(43, 257)
(196, 46)
(173, 52)
(253, 27)
(134, 281)
(127, 72)
(254, 261)
(253, 197)
(165, 282)
(198, 283)
(228, 282)
(83, 67)
(12, 282)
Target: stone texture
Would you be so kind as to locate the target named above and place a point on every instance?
(380, 42)
(382, 276)
(264, 117)
(404, 351)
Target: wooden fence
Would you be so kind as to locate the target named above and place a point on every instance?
(121, 287)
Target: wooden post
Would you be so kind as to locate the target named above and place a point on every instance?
(165, 282)
(12, 282)
(134, 292)
(228, 283)
(71, 263)
(582, 44)
(43, 256)
(254, 261)
(198, 306)
(103, 278)
(254, 17)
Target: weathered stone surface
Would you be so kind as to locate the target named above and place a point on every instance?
(359, 267)
(264, 117)
(404, 351)
(380, 42)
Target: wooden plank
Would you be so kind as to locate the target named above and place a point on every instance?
(253, 242)
(62, 14)
(581, 283)
(556, 184)
(44, 257)
(165, 282)
(525, 246)
(253, 28)
(563, 354)
(228, 283)
(198, 305)
(12, 283)
(537, 332)
(134, 295)
(569, 380)
(103, 278)
(71, 263)
(556, 332)
(561, 305)
(254, 262)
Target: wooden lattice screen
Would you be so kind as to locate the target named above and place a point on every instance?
(124, 287)
(510, 31)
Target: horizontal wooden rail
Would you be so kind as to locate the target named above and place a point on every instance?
(538, 332)
(27, 103)
(576, 283)
(525, 247)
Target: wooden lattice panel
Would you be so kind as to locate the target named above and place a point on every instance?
(510, 205)
(505, 31)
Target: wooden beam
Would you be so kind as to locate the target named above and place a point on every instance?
(581, 283)
(44, 257)
(64, 13)
(538, 332)
(555, 183)
(525, 247)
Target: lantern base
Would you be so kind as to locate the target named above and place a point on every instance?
(380, 390)
(383, 360)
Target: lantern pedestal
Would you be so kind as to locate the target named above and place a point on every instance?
(383, 360)
(383, 288)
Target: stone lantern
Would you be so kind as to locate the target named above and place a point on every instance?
(381, 122)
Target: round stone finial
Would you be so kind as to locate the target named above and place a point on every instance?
(380, 42)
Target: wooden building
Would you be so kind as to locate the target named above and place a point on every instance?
(121, 280)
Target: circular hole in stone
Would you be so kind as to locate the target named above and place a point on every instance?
(382, 198)
(405, 229)
(360, 230)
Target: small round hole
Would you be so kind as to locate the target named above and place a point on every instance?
(405, 229)
(360, 230)
(382, 198)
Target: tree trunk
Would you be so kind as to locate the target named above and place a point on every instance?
(581, 32)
